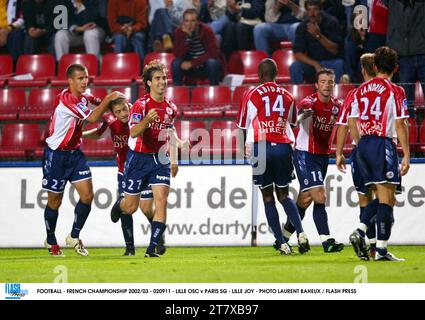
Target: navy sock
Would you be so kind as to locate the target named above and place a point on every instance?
(289, 226)
(369, 213)
(127, 229)
(384, 221)
(158, 229)
(362, 213)
(273, 220)
(371, 230)
(320, 217)
(82, 211)
(50, 219)
(292, 213)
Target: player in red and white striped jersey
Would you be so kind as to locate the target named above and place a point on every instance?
(266, 112)
(63, 161)
(151, 123)
(380, 110)
(317, 116)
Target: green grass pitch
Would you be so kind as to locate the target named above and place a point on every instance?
(208, 264)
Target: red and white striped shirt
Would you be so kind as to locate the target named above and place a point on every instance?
(66, 125)
(152, 140)
(316, 132)
(378, 103)
(267, 112)
(119, 136)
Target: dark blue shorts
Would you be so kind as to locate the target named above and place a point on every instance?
(278, 165)
(356, 174)
(378, 161)
(142, 170)
(146, 194)
(311, 169)
(59, 167)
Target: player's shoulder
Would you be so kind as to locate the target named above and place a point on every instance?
(171, 104)
(140, 102)
(309, 101)
(337, 102)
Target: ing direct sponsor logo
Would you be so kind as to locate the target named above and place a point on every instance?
(13, 291)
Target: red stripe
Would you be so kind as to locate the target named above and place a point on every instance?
(69, 135)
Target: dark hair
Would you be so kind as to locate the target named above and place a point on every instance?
(324, 71)
(191, 11)
(267, 70)
(317, 3)
(367, 61)
(385, 60)
(74, 67)
(116, 102)
(150, 69)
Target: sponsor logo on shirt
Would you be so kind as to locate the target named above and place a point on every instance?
(405, 104)
(136, 118)
(82, 106)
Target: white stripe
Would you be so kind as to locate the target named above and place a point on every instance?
(53, 191)
(154, 159)
(81, 180)
(318, 186)
(132, 194)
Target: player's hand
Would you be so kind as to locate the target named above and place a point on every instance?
(115, 95)
(174, 169)
(186, 65)
(340, 163)
(405, 166)
(184, 145)
(306, 113)
(248, 150)
(151, 116)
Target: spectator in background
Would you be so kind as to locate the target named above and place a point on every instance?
(405, 34)
(82, 19)
(318, 43)
(128, 23)
(38, 16)
(281, 24)
(196, 50)
(244, 16)
(11, 27)
(167, 19)
(354, 47)
(378, 24)
(213, 13)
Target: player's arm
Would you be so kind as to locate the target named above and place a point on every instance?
(174, 155)
(97, 112)
(91, 134)
(402, 130)
(341, 136)
(139, 128)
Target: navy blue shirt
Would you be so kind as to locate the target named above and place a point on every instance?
(286, 15)
(306, 43)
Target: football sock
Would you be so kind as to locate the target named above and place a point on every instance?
(158, 229)
(81, 211)
(127, 229)
(273, 220)
(384, 221)
(292, 213)
(320, 217)
(289, 227)
(369, 213)
(50, 219)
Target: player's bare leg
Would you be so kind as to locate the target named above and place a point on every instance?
(126, 204)
(82, 211)
(293, 215)
(51, 213)
(160, 196)
(148, 209)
